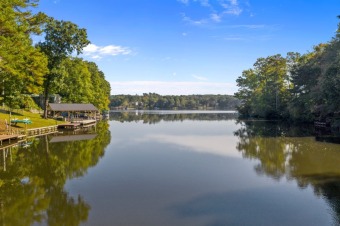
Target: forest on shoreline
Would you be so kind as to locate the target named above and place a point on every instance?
(48, 66)
(173, 102)
(298, 87)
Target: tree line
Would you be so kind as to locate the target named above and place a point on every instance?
(48, 66)
(182, 102)
(300, 87)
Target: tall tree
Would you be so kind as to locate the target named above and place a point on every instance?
(101, 87)
(20, 63)
(264, 89)
(305, 74)
(83, 82)
(77, 86)
(62, 38)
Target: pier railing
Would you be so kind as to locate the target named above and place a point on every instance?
(31, 132)
(19, 135)
(39, 131)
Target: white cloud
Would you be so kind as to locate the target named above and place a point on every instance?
(205, 3)
(91, 48)
(199, 78)
(231, 7)
(216, 13)
(172, 88)
(96, 57)
(193, 22)
(98, 52)
(215, 17)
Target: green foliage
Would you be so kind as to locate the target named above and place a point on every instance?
(83, 82)
(47, 67)
(101, 88)
(264, 89)
(299, 87)
(62, 38)
(20, 63)
(77, 86)
(156, 101)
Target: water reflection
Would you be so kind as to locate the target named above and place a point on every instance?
(189, 172)
(194, 169)
(263, 206)
(153, 117)
(282, 154)
(32, 180)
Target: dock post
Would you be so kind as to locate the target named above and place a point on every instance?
(4, 159)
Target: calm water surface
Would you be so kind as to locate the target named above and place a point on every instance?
(173, 169)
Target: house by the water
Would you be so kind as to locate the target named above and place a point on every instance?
(69, 112)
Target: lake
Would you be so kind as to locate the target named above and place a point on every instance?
(173, 168)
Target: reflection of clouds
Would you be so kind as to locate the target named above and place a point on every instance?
(218, 145)
(115, 142)
(250, 208)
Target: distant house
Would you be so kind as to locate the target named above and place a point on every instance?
(70, 111)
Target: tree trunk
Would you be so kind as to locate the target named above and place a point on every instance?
(46, 100)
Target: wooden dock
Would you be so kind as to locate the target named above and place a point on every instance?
(75, 125)
(85, 122)
(8, 138)
(18, 135)
(41, 131)
(69, 126)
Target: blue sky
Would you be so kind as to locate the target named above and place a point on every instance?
(192, 46)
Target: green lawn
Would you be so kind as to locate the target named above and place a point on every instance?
(37, 120)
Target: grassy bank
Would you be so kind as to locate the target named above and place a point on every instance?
(37, 120)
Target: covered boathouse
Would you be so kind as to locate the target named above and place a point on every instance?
(72, 111)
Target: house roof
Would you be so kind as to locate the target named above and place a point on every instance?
(72, 107)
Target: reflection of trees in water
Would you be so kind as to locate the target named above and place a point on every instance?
(156, 118)
(328, 188)
(32, 187)
(282, 153)
(272, 129)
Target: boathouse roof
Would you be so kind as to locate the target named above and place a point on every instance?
(72, 107)
(56, 139)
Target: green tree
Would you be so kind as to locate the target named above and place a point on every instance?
(20, 63)
(301, 87)
(101, 88)
(76, 83)
(62, 38)
(264, 89)
(305, 74)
